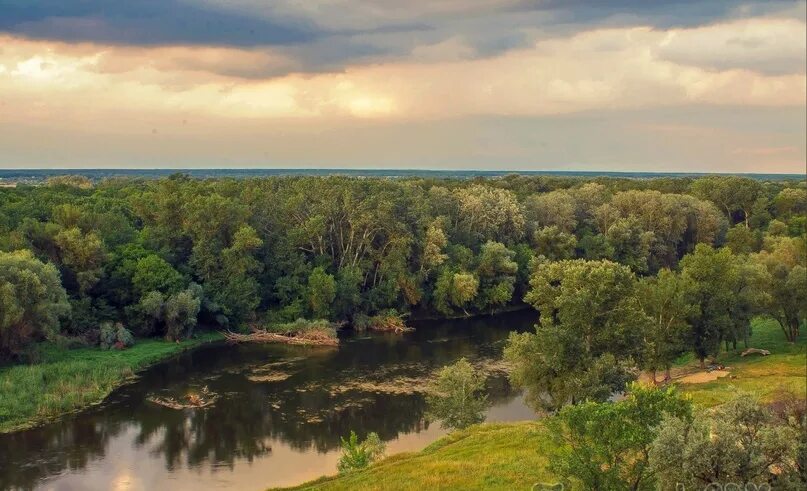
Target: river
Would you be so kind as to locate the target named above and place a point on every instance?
(278, 418)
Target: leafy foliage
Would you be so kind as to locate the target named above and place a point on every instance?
(605, 446)
(738, 443)
(339, 248)
(358, 455)
(31, 301)
(455, 397)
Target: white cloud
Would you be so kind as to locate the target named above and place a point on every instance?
(775, 46)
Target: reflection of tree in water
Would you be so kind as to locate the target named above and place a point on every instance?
(308, 411)
(76, 442)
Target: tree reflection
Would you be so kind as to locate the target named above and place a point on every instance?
(309, 411)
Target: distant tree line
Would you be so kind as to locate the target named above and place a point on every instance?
(619, 269)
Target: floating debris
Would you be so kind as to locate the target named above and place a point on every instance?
(275, 376)
(194, 400)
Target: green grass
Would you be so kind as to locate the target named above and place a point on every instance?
(69, 380)
(764, 376)
(487, 456)
(512, 456)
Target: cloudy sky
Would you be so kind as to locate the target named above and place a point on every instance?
(683, 85)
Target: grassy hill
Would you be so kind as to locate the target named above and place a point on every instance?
(511, 456)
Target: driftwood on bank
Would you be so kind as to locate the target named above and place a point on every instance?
(757, 351)
(316, 338)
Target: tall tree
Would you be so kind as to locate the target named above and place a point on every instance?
(731, 193)
(32, 301)
(590, 327)
(785, 283)
(713, 274)
(321, 293)
(667, 300)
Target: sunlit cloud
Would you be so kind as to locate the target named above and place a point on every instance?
(449, 69)
(608, 68)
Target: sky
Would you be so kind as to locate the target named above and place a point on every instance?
(616, 85)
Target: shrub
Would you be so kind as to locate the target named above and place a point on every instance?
(356, 455)
(115, 336)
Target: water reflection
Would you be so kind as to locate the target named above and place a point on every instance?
(278, 418)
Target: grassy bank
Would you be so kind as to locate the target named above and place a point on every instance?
(487, 456)
(785, 369)
(69, 380)
(511, 456)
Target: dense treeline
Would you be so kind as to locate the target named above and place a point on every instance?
(668, 265)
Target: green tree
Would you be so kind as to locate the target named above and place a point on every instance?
(554, 209)
(180, 312)
(321, 293)
(433, 246)
(785, 283)
(148, 313)
(456, 397)
(496, 270)
(713, 274)
(82, 255)
(464, 287)
(742, 240)
(553, 243)
(32, 301)
(589, 331)
(667, 300)
(605, 445)
(630, 243)
(730, 193)
(488, 213)
(152, 273)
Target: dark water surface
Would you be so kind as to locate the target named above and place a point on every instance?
(278, 417)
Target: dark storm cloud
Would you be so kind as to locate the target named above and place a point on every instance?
(146, 22)
(327, 36)
(261, 23)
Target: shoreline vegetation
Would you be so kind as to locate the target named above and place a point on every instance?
(514, 455)
(67, 381)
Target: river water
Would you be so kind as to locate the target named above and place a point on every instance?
(278, 417)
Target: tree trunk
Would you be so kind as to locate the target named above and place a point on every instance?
(654, 376)
(667, 375)
(703, 363)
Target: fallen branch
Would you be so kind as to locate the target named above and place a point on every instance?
(262, 336)
(757, 351)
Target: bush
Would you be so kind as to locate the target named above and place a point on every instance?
(115, 336)
(357, 455)
(386, 320)
(741, 442)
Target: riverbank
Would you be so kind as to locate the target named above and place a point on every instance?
(501, 456)
(784, 370)
(66, 381)
(511, 456)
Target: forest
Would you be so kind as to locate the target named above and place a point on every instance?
(674, 264)
(628, 277)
